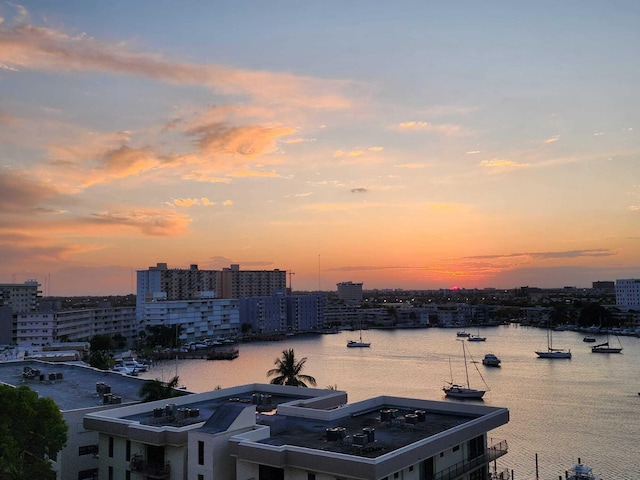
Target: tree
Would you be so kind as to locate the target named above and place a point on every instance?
(288, 370)
(101, 343)
(34, 432)
(153, 390)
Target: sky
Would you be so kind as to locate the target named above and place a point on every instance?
(409, 144)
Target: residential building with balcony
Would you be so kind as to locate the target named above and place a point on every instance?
(45, 328)
(274, 432)
(350, 292)
(198, 318)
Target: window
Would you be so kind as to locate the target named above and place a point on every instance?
(127, 454)
(456, 448)
(110, 447)
(396, 475)
(127, 475)
(200, 476)
(88, 450)
(88, 474)
(200, 453)
(110, 473)
(311, 476)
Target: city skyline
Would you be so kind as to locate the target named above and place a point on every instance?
(413, 145)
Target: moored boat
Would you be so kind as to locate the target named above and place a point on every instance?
(580, 472)
(490, 360)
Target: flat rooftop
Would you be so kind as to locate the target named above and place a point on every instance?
(71, 386)
(370, 433)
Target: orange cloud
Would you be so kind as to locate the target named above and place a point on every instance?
(248, 141)
(147, 221)
(254, 173)
(553, 139)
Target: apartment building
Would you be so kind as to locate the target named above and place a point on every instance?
(198, 318)
(77, 390)
(45, 328)
(21, 297)
(280, 313)
(628, 293)
(193, 283)
(273, 432)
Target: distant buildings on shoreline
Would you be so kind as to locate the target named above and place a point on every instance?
(231, 303)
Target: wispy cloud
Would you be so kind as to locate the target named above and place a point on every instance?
(254, 173)
(553, 139)
(501, 164)
(147, 221)
(445, 129)
(37, 48)
(192, 202)
(599, 252)
(359, 190)
(410, 165)
(375, 149)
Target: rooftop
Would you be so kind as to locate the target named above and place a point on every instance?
(71, 386)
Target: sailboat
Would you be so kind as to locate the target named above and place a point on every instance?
(605, 347)
(551, 352)
(358, 343)
(457, 390)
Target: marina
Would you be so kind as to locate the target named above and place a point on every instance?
(561, 411)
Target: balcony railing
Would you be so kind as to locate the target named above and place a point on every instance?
(462, 468)
(150, 469)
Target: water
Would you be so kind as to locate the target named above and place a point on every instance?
(586, 407)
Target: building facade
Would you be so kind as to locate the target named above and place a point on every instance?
(628, 293)
(193, 283)
(350, 292)
(198, 319)
(45, 328)
(275, 432)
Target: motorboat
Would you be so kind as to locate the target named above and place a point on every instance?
(580, 472)
(589, 339)
(463, 334)
(490, 360)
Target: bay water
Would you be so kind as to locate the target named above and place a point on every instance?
(587, 407)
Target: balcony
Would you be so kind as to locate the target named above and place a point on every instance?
(463, 468)
(157, 470)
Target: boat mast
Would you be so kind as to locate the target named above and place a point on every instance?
(466, 370)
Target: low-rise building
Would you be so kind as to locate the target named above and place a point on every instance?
(273, 432)
(77, 390)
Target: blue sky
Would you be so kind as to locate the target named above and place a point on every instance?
(404, 145)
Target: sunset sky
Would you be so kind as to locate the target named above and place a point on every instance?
(400, 144)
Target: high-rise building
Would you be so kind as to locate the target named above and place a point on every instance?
(193, 283)
(21, 297)
(628, 293)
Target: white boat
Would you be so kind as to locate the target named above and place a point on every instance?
(551, 352)
(490, 360)
(457, 390)
(476, 338)
(580, 472)
(358, 343)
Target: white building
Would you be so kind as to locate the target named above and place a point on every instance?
(273, 432)
(628, 294)
(75, 389)
(73, 325)
(199, 319)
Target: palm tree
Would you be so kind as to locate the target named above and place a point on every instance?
(288, 371)
(156, 390)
